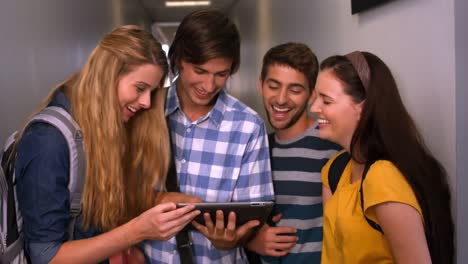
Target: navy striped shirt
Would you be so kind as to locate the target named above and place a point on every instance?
(296, 166)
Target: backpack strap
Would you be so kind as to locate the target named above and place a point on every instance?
(361, 192)
(334, 174)
(64, 122)
(11, 246)
(3, 184)
(271, 141)
(336, 170)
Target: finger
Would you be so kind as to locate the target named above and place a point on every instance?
(219, 223)
(276, 253)
(283, 230)
(175, 228)
(231, 225)
(118, 258)
(178, 214)
(183, 210)
(182, 221)
(282, 246)
(198, 225)
(284, 239)
(208, 222)
(135, 256)
(200, 228)
(243, 229)
(277, 217)
(195, 199)
(164, 207)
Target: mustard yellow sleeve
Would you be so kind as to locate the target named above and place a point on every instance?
(326, 169)
(385, 183)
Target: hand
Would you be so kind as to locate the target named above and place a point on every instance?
(176, 197)
(221, 237)
(269, 241)
(163, 221)
(133, 255)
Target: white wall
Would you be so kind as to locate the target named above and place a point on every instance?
(461, 62)
(416, 38)
(42, 42)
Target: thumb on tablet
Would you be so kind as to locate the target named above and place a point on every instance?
(277, 217)
(243, 229)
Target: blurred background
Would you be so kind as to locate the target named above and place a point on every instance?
(42, 42)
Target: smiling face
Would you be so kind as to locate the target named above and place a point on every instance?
(135, 87)
(337, 112)
(285, 94)
(199, 85)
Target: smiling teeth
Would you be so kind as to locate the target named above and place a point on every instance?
(323, 121)
(133, 110)
(280, 109)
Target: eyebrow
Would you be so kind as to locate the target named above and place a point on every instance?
(324, 95)
(201, 69)
(289, 85)
(143, 83)
(147, 86)
(296, 85)
(273, 81)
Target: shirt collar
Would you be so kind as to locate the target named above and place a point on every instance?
(59, 99)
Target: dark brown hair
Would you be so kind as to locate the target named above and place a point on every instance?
(295, 55)
(204, 35)
(386, 131)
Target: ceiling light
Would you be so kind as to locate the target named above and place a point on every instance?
(187, 3)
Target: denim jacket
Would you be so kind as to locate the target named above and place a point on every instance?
(42, 174)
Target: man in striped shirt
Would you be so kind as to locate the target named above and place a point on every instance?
(287, 82)
(220, 144)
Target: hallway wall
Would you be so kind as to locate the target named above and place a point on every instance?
(461, 64)
(42, 42)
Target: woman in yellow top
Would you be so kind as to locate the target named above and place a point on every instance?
(405, 190)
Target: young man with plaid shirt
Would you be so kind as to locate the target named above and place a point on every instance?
(220, 144)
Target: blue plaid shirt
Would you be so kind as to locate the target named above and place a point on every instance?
(221, 157)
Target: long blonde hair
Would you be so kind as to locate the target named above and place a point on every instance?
(125, 161)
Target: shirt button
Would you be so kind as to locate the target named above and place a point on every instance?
(188, 130)
(183, 161)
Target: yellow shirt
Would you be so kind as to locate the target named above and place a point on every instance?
(347, 237)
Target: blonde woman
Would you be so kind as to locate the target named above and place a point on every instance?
(117, 100)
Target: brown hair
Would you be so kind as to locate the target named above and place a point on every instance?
(295, 55)
(386, 131)
(204, 35)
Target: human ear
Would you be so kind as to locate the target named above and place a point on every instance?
(358, 107)
(312, 97)
(260, 85)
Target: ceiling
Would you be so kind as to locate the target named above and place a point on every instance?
(166, 19)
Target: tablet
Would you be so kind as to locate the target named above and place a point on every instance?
(245, 211)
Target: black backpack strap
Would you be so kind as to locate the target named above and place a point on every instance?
(361, 192)
(271, 141)
(336, 169)
(183, 240)
(11, 245)
(184, 243)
